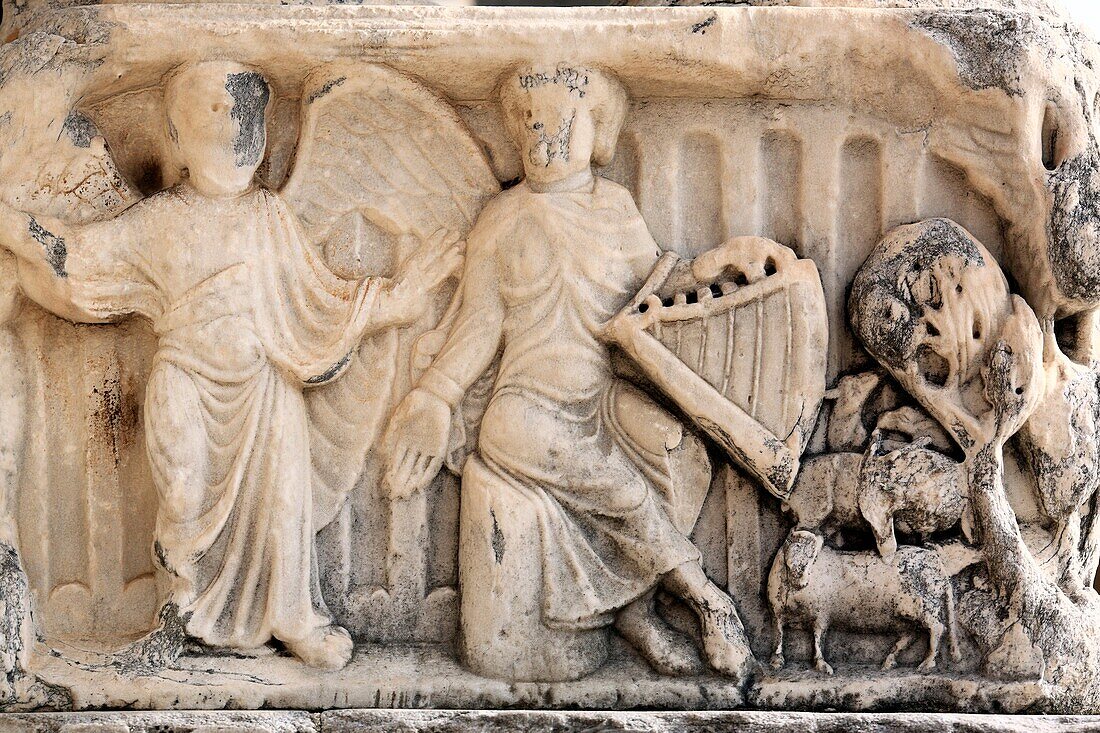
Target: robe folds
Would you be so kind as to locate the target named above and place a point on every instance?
(248, 318)
(544, 272)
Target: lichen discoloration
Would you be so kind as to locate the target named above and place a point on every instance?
(21, 689)
(1074, 227)
(54, 248)
(988, 45)
(79, 129)
(14, 619)
(251, 94)
(330, 373)
(701, 26)
(158, 649)
(498, 539)
(327, 87)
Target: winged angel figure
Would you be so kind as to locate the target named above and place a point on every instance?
(272, 374)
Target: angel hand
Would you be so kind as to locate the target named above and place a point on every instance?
(417, 440)
(438, 257)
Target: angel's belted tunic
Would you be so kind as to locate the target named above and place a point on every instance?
(246, 315)
(544, 271)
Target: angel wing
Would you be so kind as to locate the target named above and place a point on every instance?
(382, 162)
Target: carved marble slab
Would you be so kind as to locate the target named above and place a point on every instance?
(678, 358)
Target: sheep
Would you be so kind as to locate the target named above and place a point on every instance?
(920, 490)
(815, 586)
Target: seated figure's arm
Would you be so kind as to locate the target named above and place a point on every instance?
(420, 426)
(475, 338)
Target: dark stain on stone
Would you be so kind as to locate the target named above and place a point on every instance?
(331, 372)
(162, 557)
(988, 45)
(158, 649)
(148, 178)
(327, 87)
(1074, 226)
(701, 26)
(19, 688)
(79, 129)
(116, 418)
(54, 246)
(498, 539)
(250, 94)
(576, 80)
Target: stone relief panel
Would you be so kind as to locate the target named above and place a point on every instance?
(745, 361)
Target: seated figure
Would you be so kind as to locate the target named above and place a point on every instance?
(615, 481)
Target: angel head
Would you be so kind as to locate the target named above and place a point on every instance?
(217, 122)
(563, 118)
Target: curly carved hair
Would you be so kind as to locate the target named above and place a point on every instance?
(594, 90)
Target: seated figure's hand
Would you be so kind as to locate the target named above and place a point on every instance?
(417, 442)
(437, 258)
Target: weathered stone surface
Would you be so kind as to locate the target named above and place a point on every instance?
(369, 721)
(682, 358)
(163, 722)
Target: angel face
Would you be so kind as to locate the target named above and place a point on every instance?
(217, 113)
(562, 118)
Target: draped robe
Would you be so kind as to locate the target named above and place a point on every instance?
(247, 316)
(544, 271)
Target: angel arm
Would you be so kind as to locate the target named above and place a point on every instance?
(57, 261)
(404, 298)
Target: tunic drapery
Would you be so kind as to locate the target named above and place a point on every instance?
(544, 272)
(247, 316)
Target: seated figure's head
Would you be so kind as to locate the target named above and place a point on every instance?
(563, 118)
(217, 113)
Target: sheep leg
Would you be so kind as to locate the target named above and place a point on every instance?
(935, 633)
(777, 658)
(891, 660)
(820, 627)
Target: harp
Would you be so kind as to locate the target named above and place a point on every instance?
(741, 351)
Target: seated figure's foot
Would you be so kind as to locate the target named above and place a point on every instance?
(326, 648)
(724, 642)
(668, 652)
(678, 614)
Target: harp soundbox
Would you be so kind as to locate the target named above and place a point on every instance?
(738, 340)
